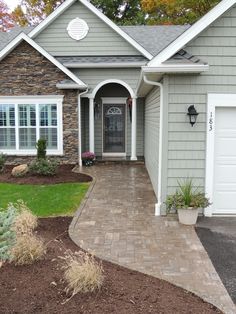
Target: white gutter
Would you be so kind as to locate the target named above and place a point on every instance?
(159, 196)
(177, 68)
(79, 128)
(73, 65)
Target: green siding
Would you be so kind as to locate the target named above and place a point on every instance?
(152, 126)
(186, 144)
(93, 77)
(101, 39)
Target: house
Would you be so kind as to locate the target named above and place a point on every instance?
(84, 83)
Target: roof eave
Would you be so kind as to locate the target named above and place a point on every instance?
(77, 65)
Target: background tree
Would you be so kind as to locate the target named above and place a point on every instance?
(123, 12)
(34, 11)
(176, 11)
(6, 20)
(120, 11)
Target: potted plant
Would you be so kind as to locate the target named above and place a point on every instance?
(88, 159)
(187, 200)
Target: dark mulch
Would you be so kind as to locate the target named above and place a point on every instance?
(29, 289)
(64, 175)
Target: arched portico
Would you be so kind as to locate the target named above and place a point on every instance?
(119, 99)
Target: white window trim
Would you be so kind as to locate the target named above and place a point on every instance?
(214, 101)
(35, 100)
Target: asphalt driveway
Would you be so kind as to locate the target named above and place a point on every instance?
(218, 236)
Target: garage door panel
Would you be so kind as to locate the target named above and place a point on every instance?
(224, 198)
(225, 147)
(225, 174)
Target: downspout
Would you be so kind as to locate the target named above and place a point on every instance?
(79, 128)
(159, 196)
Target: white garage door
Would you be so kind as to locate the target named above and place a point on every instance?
(224, 195)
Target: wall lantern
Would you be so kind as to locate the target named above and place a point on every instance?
(192, 113)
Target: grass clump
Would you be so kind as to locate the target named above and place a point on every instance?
(82, 273)
(25, 222)
(18, 243)
(27, 249)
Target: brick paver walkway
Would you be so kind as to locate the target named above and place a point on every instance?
(117, 222)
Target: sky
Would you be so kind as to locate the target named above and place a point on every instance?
(12, 3)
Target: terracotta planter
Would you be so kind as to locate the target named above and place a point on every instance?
(188, 216)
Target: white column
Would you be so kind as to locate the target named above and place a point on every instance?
(91, 125)
(134, 129)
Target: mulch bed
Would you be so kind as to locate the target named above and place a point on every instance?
(29, 289)
(64, 175)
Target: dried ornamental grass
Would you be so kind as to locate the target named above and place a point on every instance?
(27, 249)
(25, 222)
(82, 273)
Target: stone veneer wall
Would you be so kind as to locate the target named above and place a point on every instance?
(26, 72)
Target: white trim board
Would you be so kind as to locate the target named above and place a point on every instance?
(192, 32)
(214, 101)
(22, 36)
(99, 14)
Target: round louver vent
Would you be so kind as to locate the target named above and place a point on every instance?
(78, 29)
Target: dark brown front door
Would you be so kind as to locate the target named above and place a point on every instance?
(114, 128)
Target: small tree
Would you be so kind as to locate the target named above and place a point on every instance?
(41, 149)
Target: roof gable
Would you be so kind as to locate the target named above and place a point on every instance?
(192, 32)
(23, 37)
(116, 33)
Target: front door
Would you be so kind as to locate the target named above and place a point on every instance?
(114, 128)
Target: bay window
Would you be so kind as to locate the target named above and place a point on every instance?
(23, 120)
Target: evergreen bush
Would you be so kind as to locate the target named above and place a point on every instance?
(41, 149)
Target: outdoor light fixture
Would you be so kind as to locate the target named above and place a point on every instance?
(192, 113)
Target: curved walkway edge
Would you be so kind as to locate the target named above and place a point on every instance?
(117, 222)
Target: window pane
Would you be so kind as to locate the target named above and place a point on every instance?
(27, 138)
(50, 135)
(7, 138)
(48, 115)
(27, 115)
(7, 115)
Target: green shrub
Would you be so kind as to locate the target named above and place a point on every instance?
(3, 159)
(41, 149)
(7, 235)
(187, 196)
(44, 167)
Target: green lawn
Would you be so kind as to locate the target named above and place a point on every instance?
(45, 200)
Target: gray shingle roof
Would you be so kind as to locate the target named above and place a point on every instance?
(183, 57)
(155, 38)
(152, 38)
(6, 37)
